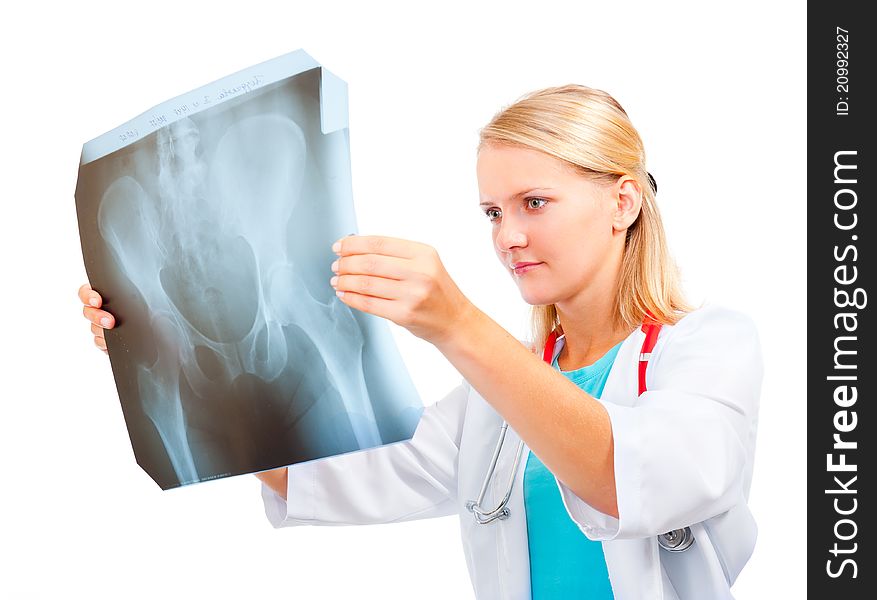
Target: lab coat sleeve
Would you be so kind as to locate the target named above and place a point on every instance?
(414, 479)
(681, 450)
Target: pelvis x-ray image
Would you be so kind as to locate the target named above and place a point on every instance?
(207, 225)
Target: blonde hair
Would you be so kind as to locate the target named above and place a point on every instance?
(590, 131)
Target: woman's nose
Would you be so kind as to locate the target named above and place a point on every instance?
(510, 236)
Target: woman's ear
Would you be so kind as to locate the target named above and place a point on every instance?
(628, 197)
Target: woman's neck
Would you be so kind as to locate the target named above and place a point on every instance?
(588, 318)
(588, 338)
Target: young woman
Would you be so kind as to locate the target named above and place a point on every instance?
(625, 465)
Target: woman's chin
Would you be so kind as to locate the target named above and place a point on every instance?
(534, 297)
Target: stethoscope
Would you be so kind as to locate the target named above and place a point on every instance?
(674, 541)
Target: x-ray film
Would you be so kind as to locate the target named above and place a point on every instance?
(206, 225)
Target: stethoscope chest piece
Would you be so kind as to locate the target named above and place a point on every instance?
(484, 517)
(677, 540)
(501, 512)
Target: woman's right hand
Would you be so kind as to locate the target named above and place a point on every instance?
(277, 480)
(100, 319)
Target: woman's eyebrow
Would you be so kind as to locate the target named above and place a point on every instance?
(518, 195)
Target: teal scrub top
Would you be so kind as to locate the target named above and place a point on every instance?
(563, 562)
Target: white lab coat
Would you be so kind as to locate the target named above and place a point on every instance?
(683, 456)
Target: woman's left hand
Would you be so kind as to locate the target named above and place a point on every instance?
(402, 281)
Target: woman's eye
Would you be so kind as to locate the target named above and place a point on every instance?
(532, 203)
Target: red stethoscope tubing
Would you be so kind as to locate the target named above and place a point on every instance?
(651, 327)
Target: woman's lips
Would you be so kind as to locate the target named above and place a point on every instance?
(525, 267)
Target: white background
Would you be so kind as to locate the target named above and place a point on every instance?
(717, 92)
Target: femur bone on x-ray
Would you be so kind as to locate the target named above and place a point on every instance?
(207, 224)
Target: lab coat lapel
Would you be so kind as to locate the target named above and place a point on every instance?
(515, 556)
(622, 385)
(498, 552)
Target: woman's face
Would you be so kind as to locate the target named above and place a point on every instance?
(554, 231)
